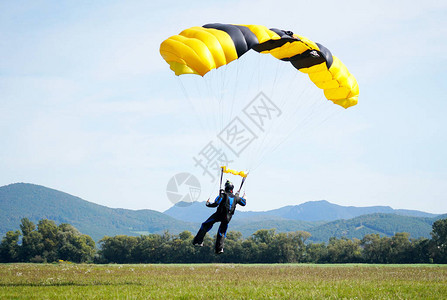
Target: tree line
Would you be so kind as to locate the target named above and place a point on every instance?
(48, 242)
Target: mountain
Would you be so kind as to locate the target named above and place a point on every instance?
(191, 212)
(379, 223)
(250, 226)
(36, 202)
(324, 210)
(309, 211)
(321, 218)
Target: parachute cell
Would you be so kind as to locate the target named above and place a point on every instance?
(198, 50)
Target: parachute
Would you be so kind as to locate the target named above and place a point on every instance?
(198, 50)
(260, 96)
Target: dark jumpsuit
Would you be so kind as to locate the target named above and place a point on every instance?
(226, 205)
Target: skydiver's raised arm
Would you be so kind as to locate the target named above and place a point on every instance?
(215, 203)
(241, 201)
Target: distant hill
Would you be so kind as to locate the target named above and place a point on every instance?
(250, 226)
(379, 223)
(326, 211)
(195, 212)
(37, 202)
(321, 218)
(309, 211)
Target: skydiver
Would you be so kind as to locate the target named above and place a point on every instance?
(226, 205)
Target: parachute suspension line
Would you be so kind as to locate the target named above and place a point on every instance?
(202, 125)
(206, 95)
(222, 113)
(235, 88)
(211, 191)
(301, 100)
(255, 85)
(202, 94)
(210, 99)
(222, 90)
(220, 98)
(237, 75)
(319, 124)
(330, 116)
(281, 100)
(278, 66)
(262, 141)
(229, 91)
(288, 135)
(214, 85)
(222, 108)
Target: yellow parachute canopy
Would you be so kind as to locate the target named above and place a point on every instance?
(198, 50)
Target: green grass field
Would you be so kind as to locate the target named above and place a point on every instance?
(222, 281)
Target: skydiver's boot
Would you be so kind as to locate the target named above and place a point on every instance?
(197, 242)
(221, 234)
(198, 239)
(206, 226)
(219, 243)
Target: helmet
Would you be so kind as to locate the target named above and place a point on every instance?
(228, 186)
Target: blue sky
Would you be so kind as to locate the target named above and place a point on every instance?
(89, 107)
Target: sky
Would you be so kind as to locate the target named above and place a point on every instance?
(89, 107)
